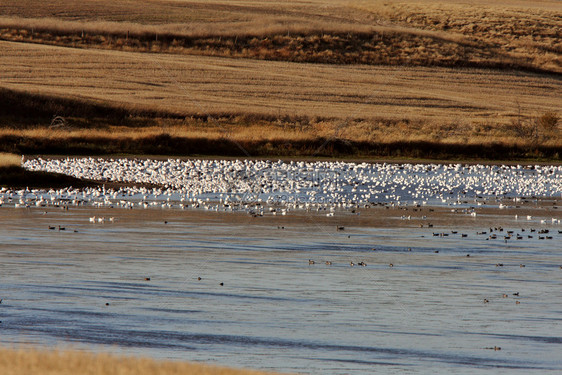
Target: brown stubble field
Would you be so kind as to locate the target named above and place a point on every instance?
(215, 85)
(525, 35)
(376, 71)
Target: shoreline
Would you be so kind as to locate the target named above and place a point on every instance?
(428, 218)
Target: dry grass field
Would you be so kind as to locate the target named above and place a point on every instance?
(187, 85)
(460, 72)
(524, 35)
(35, 362)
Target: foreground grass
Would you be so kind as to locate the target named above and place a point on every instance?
(37, 362)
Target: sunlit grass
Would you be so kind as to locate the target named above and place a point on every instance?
(508, 33)
(68, 362)
(188, 85)
(9, 160)
(388, 71)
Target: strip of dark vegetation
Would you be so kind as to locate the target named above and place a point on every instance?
(326, 47)
(332, 148)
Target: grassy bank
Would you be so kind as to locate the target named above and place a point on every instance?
(67, 362)
(167, 145)
(88, 127)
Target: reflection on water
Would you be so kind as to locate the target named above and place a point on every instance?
(87, 285)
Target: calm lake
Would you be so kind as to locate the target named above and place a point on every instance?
(418, 306)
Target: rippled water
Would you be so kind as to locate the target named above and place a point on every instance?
(276, 311)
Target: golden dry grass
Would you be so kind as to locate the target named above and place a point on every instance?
(531, 30)
(182, 17)
(456, 33)
(188, 85)
(67, 362)
(9, 160)
(357, 131)
(250, 97)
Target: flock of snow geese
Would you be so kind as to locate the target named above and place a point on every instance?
(275, 187)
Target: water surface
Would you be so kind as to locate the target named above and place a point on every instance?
(275, 311)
